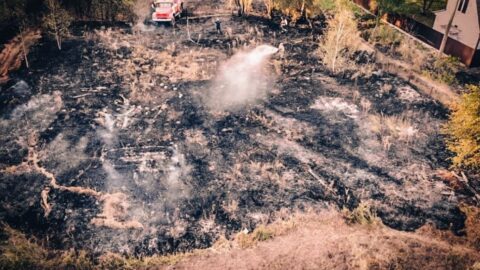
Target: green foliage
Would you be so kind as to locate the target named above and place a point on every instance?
(57, 21)
(463, 129)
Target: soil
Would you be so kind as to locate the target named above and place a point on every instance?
(107, 146)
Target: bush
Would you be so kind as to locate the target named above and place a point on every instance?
(463, 130)
(443, 69)
(363, 214)
(387, 36)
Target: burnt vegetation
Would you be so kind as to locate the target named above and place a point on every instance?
(111, 146)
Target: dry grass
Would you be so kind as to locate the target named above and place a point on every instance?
(150, 73)
(341, 39)
(411, 52)
(472, 225)
(322, 240)
(325, 241)
(364, 214)
(264, 233)
(391, 129)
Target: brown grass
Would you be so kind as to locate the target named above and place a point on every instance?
(321, 240)
(472, 224)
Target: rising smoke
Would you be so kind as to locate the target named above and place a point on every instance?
(141, 9)
(243, 80)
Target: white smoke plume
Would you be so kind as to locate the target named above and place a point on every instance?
(142, 10)
(243, 80)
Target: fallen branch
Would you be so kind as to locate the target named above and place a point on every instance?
(320, 180)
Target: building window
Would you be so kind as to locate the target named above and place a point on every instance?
(462, 7)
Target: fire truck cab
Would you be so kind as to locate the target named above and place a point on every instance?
(166, 10)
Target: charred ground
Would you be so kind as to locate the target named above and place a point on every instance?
(119, 111)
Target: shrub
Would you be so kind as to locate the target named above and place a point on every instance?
(363, 214)
(443, 69)
(57, 21)
(261, 233)
(387, 36)
(463, 130)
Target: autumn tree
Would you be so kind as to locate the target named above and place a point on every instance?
(340, 39)
(306, 9)
(463, 130)
(56, 21)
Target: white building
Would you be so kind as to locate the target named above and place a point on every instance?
(466, 23)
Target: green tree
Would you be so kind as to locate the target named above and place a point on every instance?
(463, 130)
(56, 21)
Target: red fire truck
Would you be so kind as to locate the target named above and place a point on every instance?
(167, 10)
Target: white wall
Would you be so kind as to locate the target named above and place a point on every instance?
(465, 26)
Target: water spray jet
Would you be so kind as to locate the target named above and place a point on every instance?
(243, 80)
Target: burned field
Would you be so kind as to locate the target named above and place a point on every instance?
(110, 144)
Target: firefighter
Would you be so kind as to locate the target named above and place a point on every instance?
(281, 51)
(152, 7)
(284, 24)
(218, 25)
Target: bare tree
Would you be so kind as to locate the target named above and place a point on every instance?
(23, 29)
(57, 21)
(19, 12)
(340, 39)
(447, 30)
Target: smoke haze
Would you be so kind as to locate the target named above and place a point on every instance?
(243, 80)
